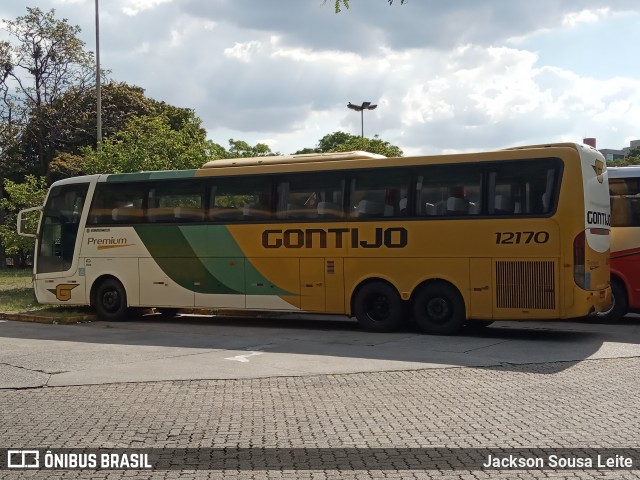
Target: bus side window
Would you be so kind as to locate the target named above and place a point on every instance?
(526, 187)
(449, 190)
(620, 203)
(379, 194)
(237, 199)
(117, 204)
(176, 201)
(310, 196)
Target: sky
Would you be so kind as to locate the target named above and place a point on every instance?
(447, 75)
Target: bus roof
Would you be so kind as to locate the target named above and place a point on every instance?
(629, 171)
(551, 145)
(285, 159)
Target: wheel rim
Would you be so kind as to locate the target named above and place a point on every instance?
(111, 300)
(438, 310)
(378, 308)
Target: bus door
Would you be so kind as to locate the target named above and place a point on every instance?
(58, 273)
(312, 284)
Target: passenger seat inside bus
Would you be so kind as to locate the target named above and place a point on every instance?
(457, 206)
(126, 215)
(218, 214)
(161, 215)
(503, 205)
(369, 208)
(187, 214)
(329, 210)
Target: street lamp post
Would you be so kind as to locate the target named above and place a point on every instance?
(98, 82)
(361, 109)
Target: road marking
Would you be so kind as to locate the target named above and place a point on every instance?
(244, 358)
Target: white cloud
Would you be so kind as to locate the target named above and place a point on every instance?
(584, 16)
(446, 75)
(243, 51)
(134, 7)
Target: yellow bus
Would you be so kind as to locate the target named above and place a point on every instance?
(448, 240)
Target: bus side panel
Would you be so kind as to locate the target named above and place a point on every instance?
(625, 261)
(61, 290)
(481, 288)
(157, 289)
(526, 288)
(124, 269)
(272, 283)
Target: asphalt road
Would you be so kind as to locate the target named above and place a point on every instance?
(196, 348)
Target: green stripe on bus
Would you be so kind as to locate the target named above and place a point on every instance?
(204, 259)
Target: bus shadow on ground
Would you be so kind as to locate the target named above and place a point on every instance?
(304, 345)
(521, 346)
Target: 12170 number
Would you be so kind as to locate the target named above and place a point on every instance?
(521, 237)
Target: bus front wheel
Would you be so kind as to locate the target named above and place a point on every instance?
(378, 307)
(111, 301)
(439, 309)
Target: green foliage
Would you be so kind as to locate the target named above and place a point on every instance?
(42, 61)
(331, 141)
(29, 194)
(634, 152)
(241, 149)
(149, 143)
(631, 158)
(16, 291)
(371, 145)
(64, 165)
(345, 142)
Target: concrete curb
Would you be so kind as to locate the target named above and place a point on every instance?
(35, 318)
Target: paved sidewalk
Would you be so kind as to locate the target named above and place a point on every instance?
(271, 389)
(589, 403)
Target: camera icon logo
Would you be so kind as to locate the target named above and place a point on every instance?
(23, 459)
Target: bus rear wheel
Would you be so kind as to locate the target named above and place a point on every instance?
(439, 309)
(378, 307)
(111, 301)
(620, 303)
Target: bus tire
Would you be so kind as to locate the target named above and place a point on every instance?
(620, 303)
(439, 309)
(111, 301)
(378, 307)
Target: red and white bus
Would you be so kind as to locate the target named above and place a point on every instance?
(624, 190)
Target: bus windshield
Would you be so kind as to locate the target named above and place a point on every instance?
(59, 228)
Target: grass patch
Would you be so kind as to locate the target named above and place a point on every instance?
(16, 292)
(17, 296)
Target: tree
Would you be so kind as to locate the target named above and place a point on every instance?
(371, 145)
(43, 61)
(345, 3)
(150, 143)
(345, 142)
(241, 149)
(120, 102)
(632, 157)
(31, 193)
